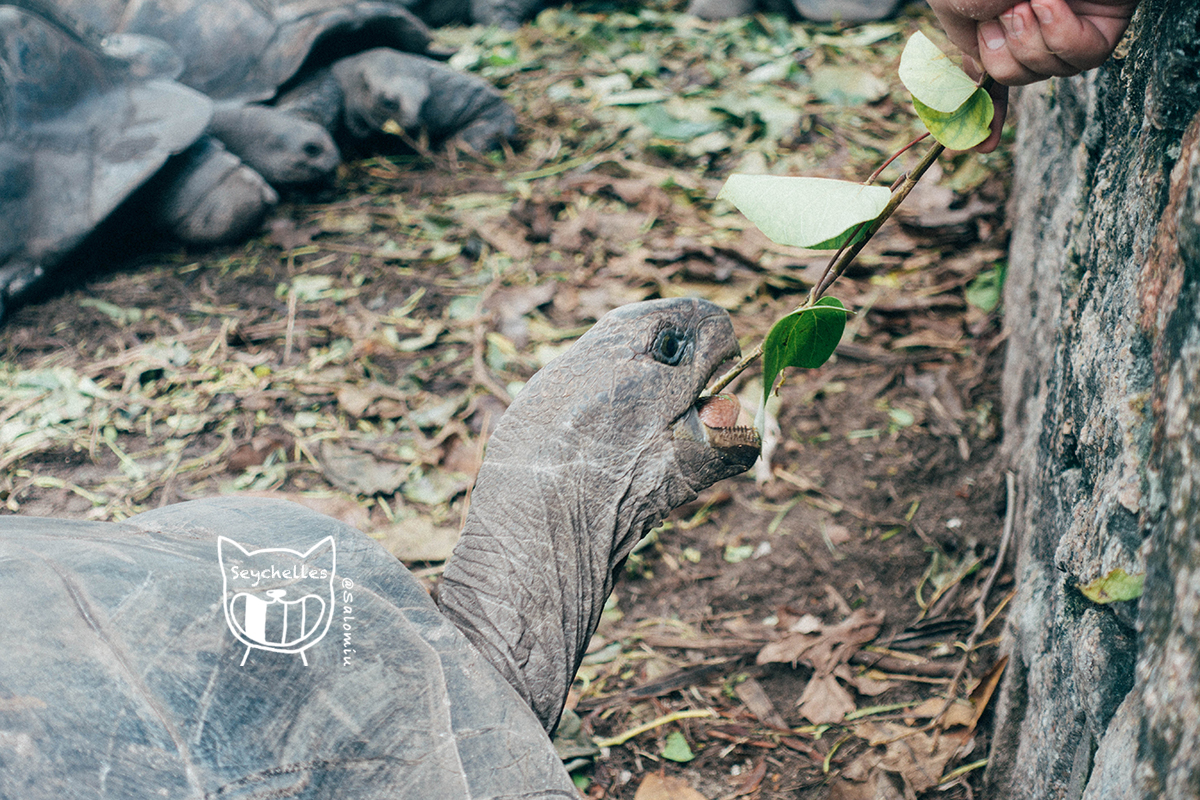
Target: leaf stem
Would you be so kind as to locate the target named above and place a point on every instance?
(907, 185)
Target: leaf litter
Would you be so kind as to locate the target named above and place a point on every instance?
(355, 357)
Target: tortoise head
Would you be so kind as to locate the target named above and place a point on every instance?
(623, 406)
(597, 448)
(630, 391)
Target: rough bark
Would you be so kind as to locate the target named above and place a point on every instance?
(1102, 422)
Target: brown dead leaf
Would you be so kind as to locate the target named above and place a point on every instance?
(417, 539)
(757, 703)
(825, 701)
(959, 712)
(511, 304)
(254, 452)
(920, 759)
(358, 472)
(615, 231)
(823, 650)
(862, 683)
(643, 194)
(666, 787)
(752, 780)
(936, 209)
(875, 785)
(595, 302)
(502, 235)
(982, 694)
(372, 400)
(929, 338)
(289, 236)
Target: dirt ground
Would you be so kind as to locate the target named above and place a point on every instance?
(789, 634)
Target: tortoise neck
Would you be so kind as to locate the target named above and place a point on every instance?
(529, 577)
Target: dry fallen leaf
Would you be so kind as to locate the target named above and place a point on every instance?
(875, 785)
(417, 539)
(666, 787)
(825, 701)
(920, 759)
(959, 712)
(824, 649)
(372, 400)
(982, 694)
(358, 472)
(755, 697)
(861, 681)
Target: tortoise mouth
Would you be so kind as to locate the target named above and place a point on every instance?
(726, 424)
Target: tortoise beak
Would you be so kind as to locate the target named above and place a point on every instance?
(728, 428)
(718, 427)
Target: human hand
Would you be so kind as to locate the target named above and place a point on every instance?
(1023, 42)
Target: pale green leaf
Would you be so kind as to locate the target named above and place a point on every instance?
(667, 126)
(987, 290)
(804, 212)
(931, 77)
(961, 129)
(676, 748)
(1116, 586)
(736, 554)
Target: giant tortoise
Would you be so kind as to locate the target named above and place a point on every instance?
(94, 100)
(505, 13)
(252, 648)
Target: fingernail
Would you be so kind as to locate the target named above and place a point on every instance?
(992, 34)
(1042, 12)
(1014, 22)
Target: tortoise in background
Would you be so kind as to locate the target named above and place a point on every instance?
(208, 107)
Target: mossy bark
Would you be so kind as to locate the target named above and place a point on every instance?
(1102, 425)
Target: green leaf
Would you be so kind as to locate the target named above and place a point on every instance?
(804, 338)
(666, 126)
(736, 554)
(817, 213)
(676, 748)
(987, 289)
(931, 77)
(1117, 585)
(963, 128)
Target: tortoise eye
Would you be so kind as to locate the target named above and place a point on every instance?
(669, 346)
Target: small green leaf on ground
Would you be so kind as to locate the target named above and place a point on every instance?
(676, 748)
(667, 126)
(986, 290)
(804, 338)
(817, 213)
(736, 554)
(1114, 587)
(931, 77)
(963, 128)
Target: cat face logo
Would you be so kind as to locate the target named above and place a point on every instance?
(277, 599)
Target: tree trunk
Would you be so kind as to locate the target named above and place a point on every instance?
(1102, 426)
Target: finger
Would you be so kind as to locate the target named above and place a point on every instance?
(1082, 40)
(960, 30)
(999, 95)
(1025, 42)
(998, 61)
